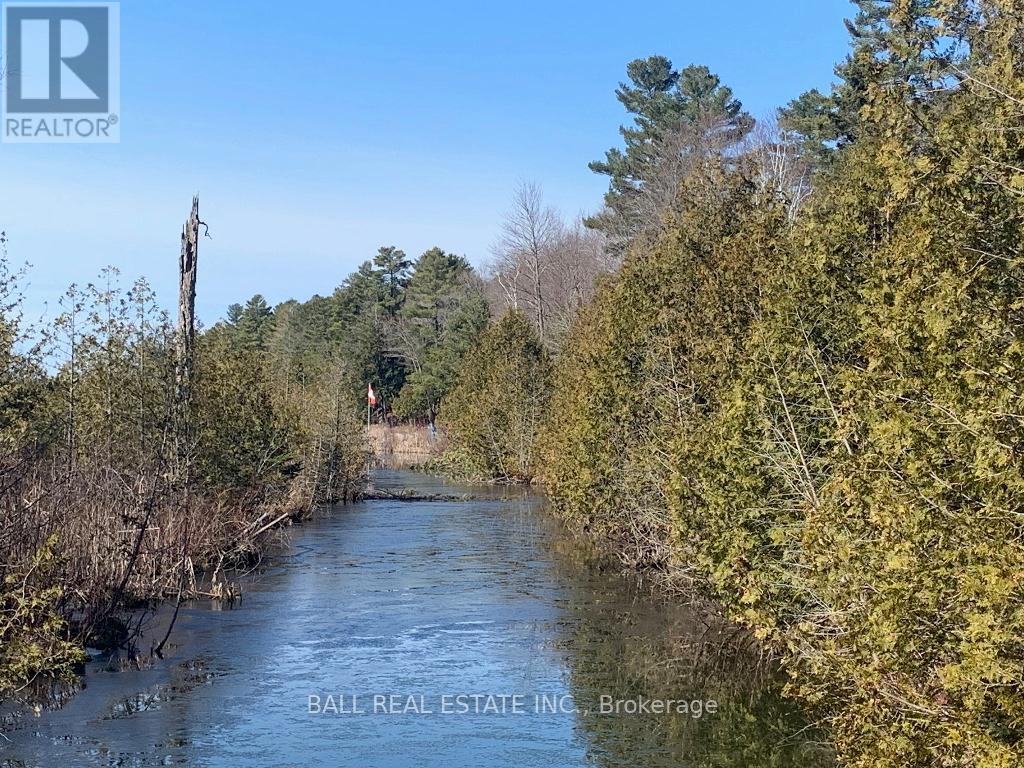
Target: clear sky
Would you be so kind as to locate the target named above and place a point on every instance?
(316, 131)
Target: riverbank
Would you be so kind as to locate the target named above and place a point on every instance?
(486, 596)
(405, 446)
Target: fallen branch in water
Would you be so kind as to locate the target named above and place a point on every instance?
(408, 495)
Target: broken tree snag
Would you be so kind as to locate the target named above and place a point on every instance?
(186, 331)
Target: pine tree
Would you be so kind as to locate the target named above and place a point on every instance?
(393, 267)
(662, 101)
(915, 52)
(443, 313)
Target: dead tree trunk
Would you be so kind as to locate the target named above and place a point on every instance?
(186, 331)
(184, 363)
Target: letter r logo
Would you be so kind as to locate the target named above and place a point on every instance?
(58, 58)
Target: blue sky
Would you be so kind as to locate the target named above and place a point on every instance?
(317, 131)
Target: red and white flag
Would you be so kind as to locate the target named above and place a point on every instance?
(371, 396)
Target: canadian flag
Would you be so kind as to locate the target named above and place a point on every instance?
(371, 396)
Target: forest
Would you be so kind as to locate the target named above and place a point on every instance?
(779, 370)
(801, 392)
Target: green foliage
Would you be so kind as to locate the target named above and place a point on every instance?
(493, 414)
(243, 441)
(930, 611)
(645, 364)
(662, 100)
(401, 326)
(393, 270)
(443, 314)
(34, 638)
(899, 42)
(814, 119)
(361, 308)
(826, 420)
(252, 323)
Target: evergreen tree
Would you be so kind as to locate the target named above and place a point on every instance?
(362, 308)
(253, 323)
(443, 314)
(662, 101)
(915, 51)
(394, 268)
(493, 415)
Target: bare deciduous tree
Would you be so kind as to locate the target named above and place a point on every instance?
(522, 253)
(577, 259)
(545, 266)
(780, 168)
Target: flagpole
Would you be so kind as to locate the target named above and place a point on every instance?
(371, 400)
(369, 439)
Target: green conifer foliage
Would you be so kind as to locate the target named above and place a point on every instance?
(822, 424)
(493, 414)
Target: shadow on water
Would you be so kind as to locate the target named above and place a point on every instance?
(722, 698)
(627, 647)
(432, 598)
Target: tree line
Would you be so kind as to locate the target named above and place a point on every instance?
(397, 323)
(780, 367)
(117, 494)
(801, 392)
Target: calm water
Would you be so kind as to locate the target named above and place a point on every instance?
(430, 600)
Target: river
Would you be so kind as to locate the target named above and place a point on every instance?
(432, 633)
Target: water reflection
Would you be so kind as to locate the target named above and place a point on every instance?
(626, 647)
(416, 598)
